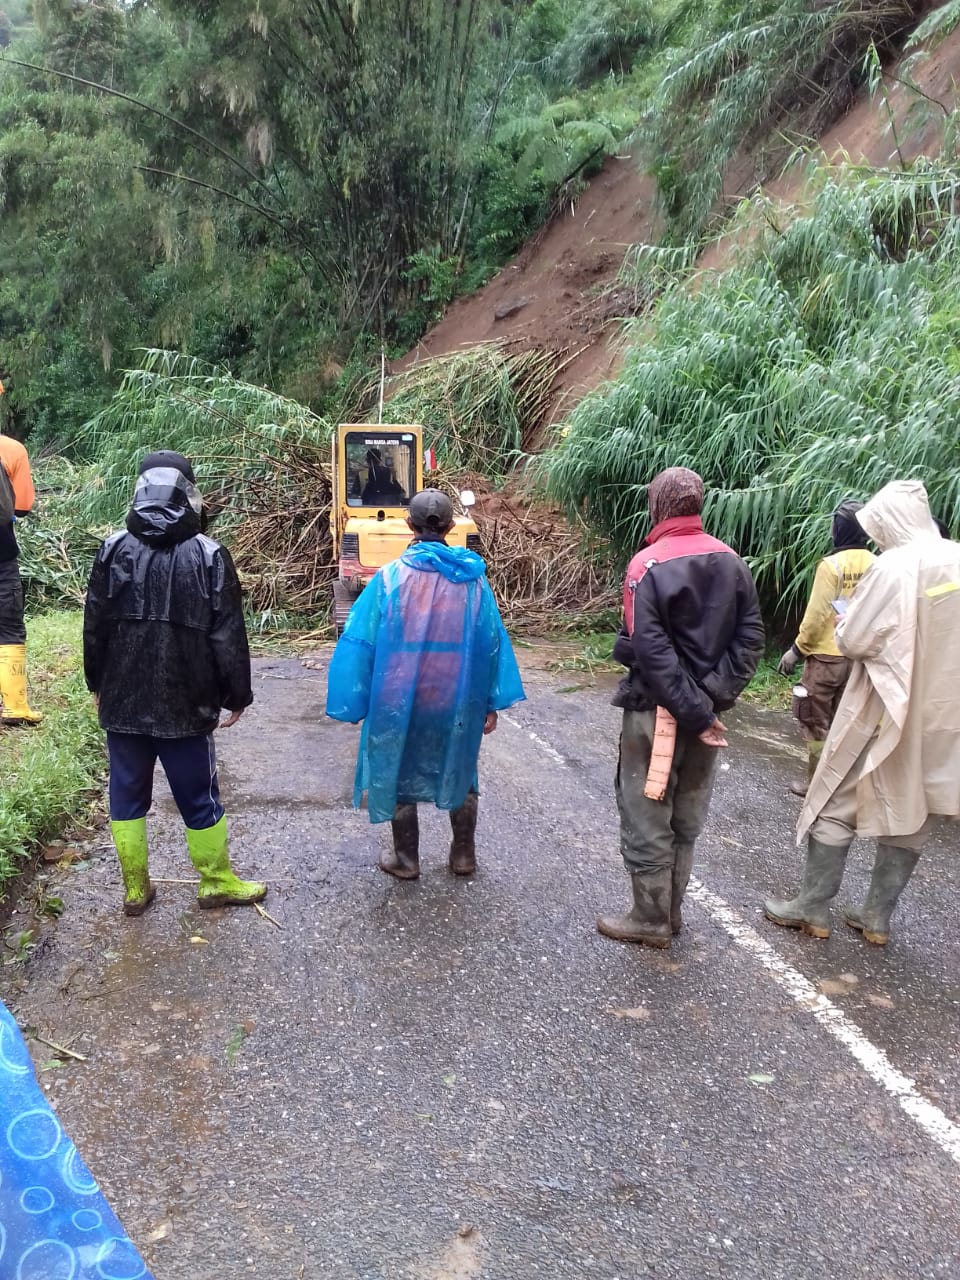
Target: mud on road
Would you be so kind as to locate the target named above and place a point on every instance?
(454, 1079)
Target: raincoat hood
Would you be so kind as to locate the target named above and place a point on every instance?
(166, 508)
(457, 564)
(898, 514)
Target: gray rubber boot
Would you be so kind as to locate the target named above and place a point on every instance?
(892, 868)
(682, 866)
(810, 909)
(463, 824)
(649, 921)
(404, 861)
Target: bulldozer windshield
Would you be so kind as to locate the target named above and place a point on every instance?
(381, 468)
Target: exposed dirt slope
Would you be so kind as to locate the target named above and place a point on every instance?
(557, 294)
(551, 294)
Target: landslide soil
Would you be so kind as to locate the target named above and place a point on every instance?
(561, 291)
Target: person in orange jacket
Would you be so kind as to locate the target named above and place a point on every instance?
(16, 500)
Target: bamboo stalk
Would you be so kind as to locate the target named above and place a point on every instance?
(59, 1048)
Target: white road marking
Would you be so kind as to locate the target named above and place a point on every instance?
(934, 1123)
(783, 745)
(873, 1060)
(544, 746)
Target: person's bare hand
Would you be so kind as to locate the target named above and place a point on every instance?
(231, 719)
(96, 703)
(713, 735)
(490, 723)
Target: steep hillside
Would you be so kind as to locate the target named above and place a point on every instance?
(561, 293)
(556, 293)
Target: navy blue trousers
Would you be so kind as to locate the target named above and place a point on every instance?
(191, 768)
(12, 628)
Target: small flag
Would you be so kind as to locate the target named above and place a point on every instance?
(430, 460)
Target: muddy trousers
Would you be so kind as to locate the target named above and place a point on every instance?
(652, 832)
(191, 768)
(824, 678)
(836, 823)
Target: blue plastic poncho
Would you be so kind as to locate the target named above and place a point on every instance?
(422, 660)
(54, 1222)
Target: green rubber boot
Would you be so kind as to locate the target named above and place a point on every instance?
(130, 840)
(682, 866)
(891, 871)
(219, 886)
(810, 909)
(649, 921)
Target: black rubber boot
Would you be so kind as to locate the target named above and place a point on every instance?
(682, 866)
(891, 871)
(649, 921)
(463, 823)
(404, 861)
(810, 909)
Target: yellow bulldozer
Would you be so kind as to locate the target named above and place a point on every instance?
(376, 471)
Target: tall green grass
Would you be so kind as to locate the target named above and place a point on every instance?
(50, 774)
(824, 365)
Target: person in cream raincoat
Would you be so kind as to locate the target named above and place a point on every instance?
(891, 762)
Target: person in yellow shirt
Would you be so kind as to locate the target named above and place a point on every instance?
(825, 669)
(16, 500)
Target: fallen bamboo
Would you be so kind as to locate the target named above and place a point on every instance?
(59, 1048)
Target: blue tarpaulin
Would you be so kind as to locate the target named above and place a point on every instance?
(423, 658)
(54, 1221)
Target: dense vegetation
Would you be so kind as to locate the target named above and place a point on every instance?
(279, 187)
(282, 188)
(760, 79)
(822, 366)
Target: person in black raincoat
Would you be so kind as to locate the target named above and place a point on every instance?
(164, 649)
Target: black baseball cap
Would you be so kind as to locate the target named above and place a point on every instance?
(430, 509)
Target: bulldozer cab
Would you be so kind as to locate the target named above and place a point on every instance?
(376, 471)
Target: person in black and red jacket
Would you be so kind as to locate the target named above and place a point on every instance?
(692, 638)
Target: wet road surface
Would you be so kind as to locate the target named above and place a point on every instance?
(451, 1079)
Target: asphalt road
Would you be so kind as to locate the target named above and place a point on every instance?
(453, 1079)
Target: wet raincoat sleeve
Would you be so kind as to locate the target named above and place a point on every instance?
(54, 1219)
(228, 635)
(506, 687)
(95, 625)
(350, 679)
(875, 614)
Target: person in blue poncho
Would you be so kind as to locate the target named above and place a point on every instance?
(424, 661)
(55, 1223)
